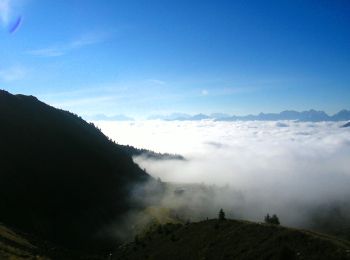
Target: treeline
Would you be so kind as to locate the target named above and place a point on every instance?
(132, 151)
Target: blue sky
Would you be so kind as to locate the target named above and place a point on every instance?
(156, 57)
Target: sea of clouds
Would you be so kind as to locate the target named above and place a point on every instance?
(289, 168)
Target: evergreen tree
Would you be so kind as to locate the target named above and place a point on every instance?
(272, 220)
(221, 214)
(275, 220)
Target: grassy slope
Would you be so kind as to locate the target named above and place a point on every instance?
(233, 239)
(16, 245)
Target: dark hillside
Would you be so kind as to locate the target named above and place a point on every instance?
(60, 177)
(16, 245)
(231, 239)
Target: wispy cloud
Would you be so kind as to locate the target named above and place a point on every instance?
(87, 39)
(82, 101)
(156, 81)
(75, 93)
(12, 74)
(224, 91)
(47, 52)
(57, 50)
(237, 90)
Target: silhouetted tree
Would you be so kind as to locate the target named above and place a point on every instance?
(221, 214)
(267, 218)
(272, 220)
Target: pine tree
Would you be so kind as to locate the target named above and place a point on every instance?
(221, 214)
(272, 220)
(275, 220)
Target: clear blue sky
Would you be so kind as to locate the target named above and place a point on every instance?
(152, 57)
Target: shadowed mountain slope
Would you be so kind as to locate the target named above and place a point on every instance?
(16, 245)
(60, 177)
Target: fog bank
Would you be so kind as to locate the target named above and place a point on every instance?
(288, 168)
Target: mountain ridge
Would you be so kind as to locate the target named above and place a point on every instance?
(304, 116)
(61, 177)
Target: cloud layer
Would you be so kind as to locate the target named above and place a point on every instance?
(288, 168)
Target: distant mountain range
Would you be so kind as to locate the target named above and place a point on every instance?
(306, 116)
